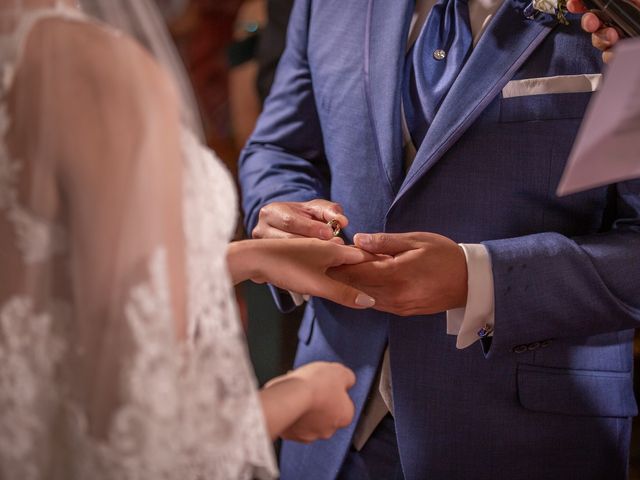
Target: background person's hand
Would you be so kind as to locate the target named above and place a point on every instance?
(299, 219)
(418, 274)
(329, 406)
(603, 38)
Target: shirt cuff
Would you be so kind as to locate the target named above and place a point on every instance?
(297, 298)
(478, 313)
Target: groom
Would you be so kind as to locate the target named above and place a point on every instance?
(438, 126)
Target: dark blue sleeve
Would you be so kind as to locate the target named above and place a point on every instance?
(550, 286)
(284, 159)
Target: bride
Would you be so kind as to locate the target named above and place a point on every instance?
(121, 356)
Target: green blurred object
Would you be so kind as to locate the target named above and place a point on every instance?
(242, 51)
(265, 331)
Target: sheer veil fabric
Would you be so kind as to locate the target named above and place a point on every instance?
(121, 355)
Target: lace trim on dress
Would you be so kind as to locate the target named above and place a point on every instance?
(29, 355)
(186, 412)
(12, 45)
(37, 239)
(213, 312)
(180, 414)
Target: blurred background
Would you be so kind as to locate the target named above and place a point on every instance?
(231, 49)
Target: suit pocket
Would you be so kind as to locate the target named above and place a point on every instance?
(593, 393)
(305, 332)
(553, 106)
(552, 85)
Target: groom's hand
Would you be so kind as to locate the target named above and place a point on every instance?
(419, 274)
(299, 219)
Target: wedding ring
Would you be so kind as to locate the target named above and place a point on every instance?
(335, 226)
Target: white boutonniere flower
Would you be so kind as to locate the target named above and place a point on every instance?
(546, 6)
(553, 7)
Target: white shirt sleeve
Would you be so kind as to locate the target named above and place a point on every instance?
(479, 311)
(297, 298)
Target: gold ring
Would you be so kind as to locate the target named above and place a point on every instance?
(335, 226)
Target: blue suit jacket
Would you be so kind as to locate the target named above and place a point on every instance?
(552, 396)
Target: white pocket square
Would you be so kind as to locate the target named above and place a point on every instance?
(546, 85)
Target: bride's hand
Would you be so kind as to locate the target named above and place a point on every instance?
(299, 265)
(329, 406)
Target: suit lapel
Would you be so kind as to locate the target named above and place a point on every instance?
(386, 34)
(505, 45)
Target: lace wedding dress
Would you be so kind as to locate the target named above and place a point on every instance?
(93, 383)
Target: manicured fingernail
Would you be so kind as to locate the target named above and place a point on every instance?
(366, 301)
(362, 239)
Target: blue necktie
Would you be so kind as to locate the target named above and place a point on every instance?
(433, 64)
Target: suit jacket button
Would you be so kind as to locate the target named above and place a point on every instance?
(520, 349)
(533, 346)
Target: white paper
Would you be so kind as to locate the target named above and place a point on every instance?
(607, 148)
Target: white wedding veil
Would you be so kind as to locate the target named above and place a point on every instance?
(138, 19)
(121, 356)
